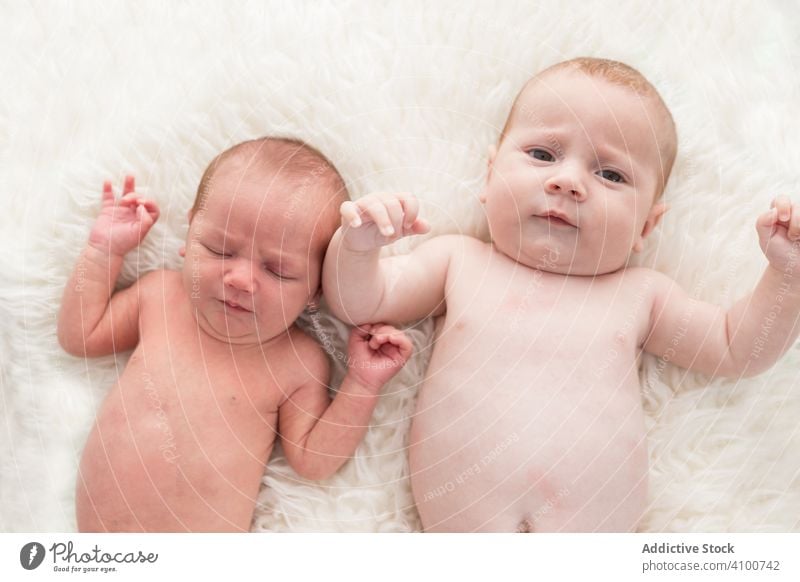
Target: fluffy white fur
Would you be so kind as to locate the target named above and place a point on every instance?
(400, 97)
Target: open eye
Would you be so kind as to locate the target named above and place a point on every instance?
(612, 176)
(541, 155)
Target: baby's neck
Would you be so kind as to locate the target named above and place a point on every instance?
(237, 343)
(548, 263)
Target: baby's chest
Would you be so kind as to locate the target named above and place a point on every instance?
(201, 384)
(544, 314)
(191, 369)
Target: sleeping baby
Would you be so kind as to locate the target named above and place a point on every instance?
(219, 367)
(530, 417)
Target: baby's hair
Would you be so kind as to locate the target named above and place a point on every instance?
(306, 168)
(290, 158)
(626, 76)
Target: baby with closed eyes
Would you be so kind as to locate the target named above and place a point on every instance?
(219, 368)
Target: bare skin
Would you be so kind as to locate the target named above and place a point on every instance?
(530, 416)
(219, 370)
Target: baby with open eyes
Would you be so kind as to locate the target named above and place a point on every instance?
(530, 417)
(219, 367)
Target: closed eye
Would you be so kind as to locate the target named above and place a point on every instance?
(541, 155)
(215, 252)
(612, 176)
(277, 274)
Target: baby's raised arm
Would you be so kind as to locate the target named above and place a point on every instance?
(93, 320)
(318, 435)
(757, 330)
(360, 286)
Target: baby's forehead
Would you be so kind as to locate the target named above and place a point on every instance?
(561, 90)
(286, 217)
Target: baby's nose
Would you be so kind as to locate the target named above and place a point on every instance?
(239, 275)
(564, 184)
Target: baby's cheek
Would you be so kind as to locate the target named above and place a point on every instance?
(290, 299)
(621, 229)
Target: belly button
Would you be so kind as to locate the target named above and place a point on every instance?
(525, 526)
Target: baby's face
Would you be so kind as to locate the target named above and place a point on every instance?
(582, 149)
(251, 266)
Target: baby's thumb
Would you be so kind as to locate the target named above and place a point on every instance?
(420, 226)
(765, 225)
(145, 220)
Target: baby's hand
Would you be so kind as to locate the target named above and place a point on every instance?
(779, 233)
(379, 219)
(123, 222)
(376, 352)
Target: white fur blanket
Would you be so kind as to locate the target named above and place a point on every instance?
(405, 96)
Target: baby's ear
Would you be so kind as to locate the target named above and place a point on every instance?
(653, 218)
(492, 154)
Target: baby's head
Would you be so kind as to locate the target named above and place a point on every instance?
(264, 214)
(574, 185)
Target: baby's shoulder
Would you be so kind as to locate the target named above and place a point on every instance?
(453, 246)
(645, 282)
(303, 356)
(459, 242)
(161, 285)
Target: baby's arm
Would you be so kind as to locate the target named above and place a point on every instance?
(757, 330)
(360, 286)
(94, 320)
(318, 435)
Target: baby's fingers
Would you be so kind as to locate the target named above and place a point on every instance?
(765, 224)
(146, 213)
(350, 214)
(143, 215)
(129, 185)
(386, 334)
(150, 206)
(108, 192)
(420, 226)
(130, 199)
(377, 211)
(410, 206)
(403, 344)
(794, 223)
(784, 207)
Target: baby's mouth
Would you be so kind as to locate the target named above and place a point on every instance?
(556, 221)
(233, 306)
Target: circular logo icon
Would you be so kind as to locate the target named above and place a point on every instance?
(31, 555)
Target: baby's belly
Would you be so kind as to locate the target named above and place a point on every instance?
(506, 445)
(161, 460)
